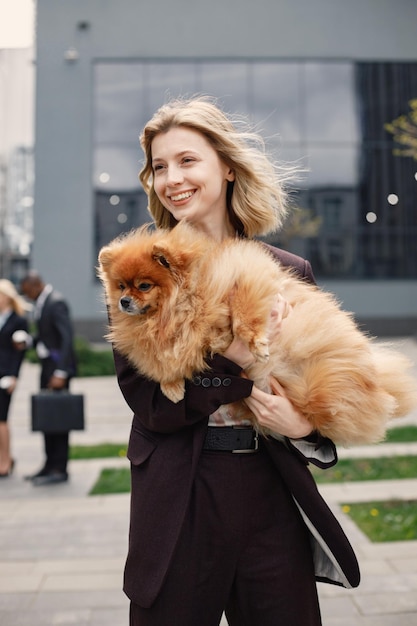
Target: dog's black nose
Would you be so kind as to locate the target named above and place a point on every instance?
(125, 302)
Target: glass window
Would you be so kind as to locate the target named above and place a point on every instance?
(277, 102)
(328, 117)
(330, 103)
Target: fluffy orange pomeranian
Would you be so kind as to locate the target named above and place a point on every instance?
(175, 297)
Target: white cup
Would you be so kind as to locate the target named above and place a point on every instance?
(5, 382)
(20, 336)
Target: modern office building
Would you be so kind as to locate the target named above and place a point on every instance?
(320, 80)
(17, 78)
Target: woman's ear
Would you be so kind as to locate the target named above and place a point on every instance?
(230, 176)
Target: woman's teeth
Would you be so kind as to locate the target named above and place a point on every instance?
(182, 196)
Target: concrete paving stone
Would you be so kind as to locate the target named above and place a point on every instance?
(378, 567)
(110, 617)
(389, 602)
(29, 618)
(92, 598)
(404, 565)
(12, 602)
(76, 618)
(334, 607)
(366, 491)
(76, 544)
(380, 450)
(400, 619)
(389, 549)
(94, 581)
(405, 619)
(80, 565)
(393, 582)
(17, 584)
(12, 568)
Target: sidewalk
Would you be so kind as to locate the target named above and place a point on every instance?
(62, 552)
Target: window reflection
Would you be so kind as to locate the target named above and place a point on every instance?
(277, 100)
(330, 103)
(326, 116)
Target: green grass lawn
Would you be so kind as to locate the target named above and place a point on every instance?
(391, 520)
(98, 451)
(380, 468)
(401, 434)
(112, 481)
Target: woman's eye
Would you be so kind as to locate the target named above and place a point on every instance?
(157, 168)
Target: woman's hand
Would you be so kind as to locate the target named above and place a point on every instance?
(12, 385)
(275, 412)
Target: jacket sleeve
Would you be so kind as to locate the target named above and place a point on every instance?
(315, 449)
(219, 384)
(63, 356)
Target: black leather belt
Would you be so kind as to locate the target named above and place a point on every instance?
(238, 439)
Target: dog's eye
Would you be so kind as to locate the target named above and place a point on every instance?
(121, 286)
(144, 286)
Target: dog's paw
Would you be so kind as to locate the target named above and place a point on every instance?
(174, 391)
(260, 349)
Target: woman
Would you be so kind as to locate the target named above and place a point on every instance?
(12, 309)
(212, 530)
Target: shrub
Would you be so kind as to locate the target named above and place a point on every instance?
(91, 361)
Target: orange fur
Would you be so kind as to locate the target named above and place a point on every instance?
(188, 296)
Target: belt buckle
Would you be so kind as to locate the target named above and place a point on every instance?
(248, 450)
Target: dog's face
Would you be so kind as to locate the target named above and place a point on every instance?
(142, 272)
(136, 281)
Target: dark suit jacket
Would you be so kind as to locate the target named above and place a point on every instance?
(164, 448)
(54, 329)
(10, 358)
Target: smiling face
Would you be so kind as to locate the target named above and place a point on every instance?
(190, 180)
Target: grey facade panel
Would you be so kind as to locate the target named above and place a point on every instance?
(73, 36)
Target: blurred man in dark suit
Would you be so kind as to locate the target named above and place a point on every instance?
(54, 343)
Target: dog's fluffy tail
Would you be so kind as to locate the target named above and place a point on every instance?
(396, 377)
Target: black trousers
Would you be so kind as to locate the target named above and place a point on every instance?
(56, 452)
(243, 549)
(56, 445)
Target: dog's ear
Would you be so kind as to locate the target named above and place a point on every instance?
(164, 255)
(161, 258)
(105, 256)
(173, 259)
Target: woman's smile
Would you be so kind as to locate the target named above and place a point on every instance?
(181, 196)
(190, 179)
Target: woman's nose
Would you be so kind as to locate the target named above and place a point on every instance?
(174, 176)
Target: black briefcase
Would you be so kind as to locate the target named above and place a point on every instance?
(57, 411)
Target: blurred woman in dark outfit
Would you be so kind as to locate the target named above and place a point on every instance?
(12, 309)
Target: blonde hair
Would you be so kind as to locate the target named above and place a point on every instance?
(256, 199)
(18, 304)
